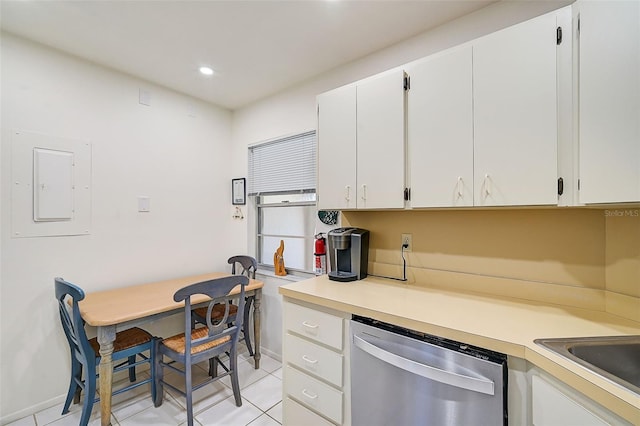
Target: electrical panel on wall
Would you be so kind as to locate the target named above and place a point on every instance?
(50, 191)
(52, 185)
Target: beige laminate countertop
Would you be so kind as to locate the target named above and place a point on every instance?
(500, 324)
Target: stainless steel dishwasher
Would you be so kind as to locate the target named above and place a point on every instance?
(402, 377)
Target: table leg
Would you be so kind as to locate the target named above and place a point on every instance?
(256, 327)
(106, 337)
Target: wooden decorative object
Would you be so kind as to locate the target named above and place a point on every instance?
(278, 260)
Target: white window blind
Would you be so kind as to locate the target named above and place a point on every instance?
(283, 165)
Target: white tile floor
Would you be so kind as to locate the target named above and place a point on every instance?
(213, 404)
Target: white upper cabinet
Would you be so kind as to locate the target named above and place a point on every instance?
(381, 141)
(337, 149)
(361, 144)
(440, 130)
(488, 123)
(609, 101)
(515, 115)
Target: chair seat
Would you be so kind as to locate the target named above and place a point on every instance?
(177, 343)
(217, 312)
(124, 340)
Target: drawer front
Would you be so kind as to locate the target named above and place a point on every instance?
(296, 414)
(317, 360)
(316, 325)
(313, 394)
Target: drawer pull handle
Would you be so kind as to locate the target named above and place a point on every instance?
(311, 326)
(309, 360)
(309, 395)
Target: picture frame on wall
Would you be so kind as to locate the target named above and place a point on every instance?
(238, 192)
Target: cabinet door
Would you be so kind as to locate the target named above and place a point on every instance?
(380, 156)
(515, 115)
(551, 407)
(337, 149)
(440, 130)
(609, 93)
(296, 414)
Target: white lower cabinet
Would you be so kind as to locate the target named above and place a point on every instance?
(296, 414)
(317, 385)
(554, 404)
(315, 366)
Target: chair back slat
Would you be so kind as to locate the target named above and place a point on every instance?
(67, 323)
(220, 323)
(72, 322)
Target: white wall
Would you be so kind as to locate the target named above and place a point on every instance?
(160, 151)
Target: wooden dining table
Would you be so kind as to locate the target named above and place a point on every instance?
(121, 308)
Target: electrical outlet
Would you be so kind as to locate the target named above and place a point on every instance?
(406, 240)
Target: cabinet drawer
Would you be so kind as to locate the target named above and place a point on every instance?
(296, 414)
(313, 394)
(316, 325)
(317, 360)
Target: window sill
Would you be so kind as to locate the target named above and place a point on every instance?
(293, 277)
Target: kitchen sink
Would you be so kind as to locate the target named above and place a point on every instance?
(616, 358)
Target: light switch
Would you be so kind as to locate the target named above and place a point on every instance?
(144, 204)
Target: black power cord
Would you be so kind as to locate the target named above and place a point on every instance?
(404, 267)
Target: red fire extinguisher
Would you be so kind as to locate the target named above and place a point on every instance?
(320, 252)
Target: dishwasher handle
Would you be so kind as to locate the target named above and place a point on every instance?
(485, 386)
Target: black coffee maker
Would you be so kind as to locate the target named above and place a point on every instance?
(348, 254)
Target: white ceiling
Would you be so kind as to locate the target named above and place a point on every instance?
(257, 48)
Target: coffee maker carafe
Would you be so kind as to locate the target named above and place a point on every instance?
(348, 254)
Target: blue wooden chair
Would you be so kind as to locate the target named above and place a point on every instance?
(241, 265)
(84, 352)
(203, 343)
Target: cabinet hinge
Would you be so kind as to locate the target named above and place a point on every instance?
(407, 82)
(407, 194)
(558, 35)
(560, 186)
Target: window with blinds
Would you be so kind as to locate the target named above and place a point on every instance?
(283, 165)
(282, 183)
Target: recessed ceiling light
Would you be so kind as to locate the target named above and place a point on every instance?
(206, 70)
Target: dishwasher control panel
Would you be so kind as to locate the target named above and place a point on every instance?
(453, 345)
